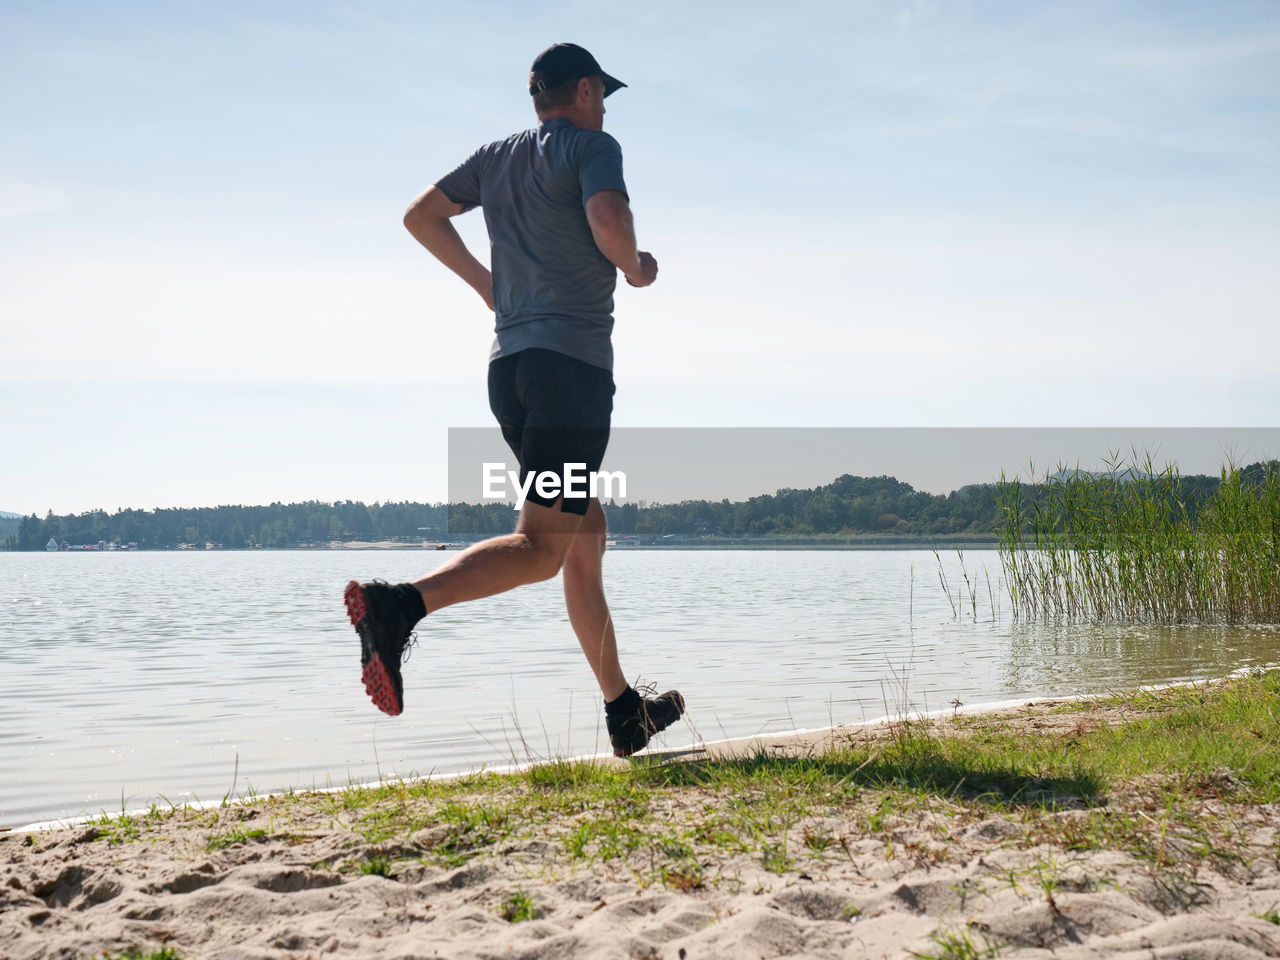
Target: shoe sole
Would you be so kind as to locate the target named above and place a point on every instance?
(377, 681)
(629, 753)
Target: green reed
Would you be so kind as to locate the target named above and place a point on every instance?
(1143, 545)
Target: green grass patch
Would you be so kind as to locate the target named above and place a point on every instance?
(118, 829)
(518, 907)
(1196, 732)
(236, 835)
(956, 945)
(377, 866)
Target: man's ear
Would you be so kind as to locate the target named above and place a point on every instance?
(584, 89)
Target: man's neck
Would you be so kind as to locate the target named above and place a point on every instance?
(557, 115)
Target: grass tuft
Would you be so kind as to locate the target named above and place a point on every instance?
(376, 865)
(957, 945)
(236, 835)
(518, 907)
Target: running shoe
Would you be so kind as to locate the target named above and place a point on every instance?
(385, 632)
(631, 731)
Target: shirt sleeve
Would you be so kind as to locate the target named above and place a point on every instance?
(600, 165)
(462, 183)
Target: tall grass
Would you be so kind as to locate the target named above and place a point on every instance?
(1140, 545)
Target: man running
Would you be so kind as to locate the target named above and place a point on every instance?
(560, 229)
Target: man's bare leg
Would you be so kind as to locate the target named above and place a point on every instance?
(546, 540)
(384, 614)
(536, 551)
(583, 574)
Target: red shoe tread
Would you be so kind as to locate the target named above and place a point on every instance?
(376, 679)
(378, 685)
(354, 597)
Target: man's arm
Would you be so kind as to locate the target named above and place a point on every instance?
(428, 220)
(609, 215)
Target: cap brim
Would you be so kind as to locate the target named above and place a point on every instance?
(611, 83)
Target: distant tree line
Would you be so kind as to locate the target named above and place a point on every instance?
(237, 527)
(848, 506)
(859, 506)
(9, 526)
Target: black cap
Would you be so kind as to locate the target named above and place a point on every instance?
(562, 62)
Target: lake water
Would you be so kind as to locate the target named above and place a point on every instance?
(128, 678)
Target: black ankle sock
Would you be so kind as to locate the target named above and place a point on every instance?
(410, 601)
(626, 702)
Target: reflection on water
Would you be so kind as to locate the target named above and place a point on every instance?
(129, 677)
(1101, 657)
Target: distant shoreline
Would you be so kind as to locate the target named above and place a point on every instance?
(690, 543)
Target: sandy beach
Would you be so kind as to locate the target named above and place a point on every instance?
(888, 841)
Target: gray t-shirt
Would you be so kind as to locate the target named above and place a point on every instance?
(552, 287)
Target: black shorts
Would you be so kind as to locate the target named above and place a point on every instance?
(553, 410)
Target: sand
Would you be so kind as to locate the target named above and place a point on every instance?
(928, 877)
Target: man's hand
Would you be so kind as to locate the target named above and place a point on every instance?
(648, 271)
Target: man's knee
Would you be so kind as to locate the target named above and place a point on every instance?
(549, 534)
(586, 552)
(547, 554)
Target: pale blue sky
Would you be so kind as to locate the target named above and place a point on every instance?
(968, 214)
